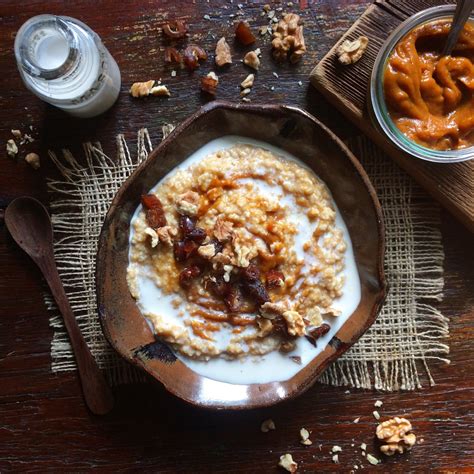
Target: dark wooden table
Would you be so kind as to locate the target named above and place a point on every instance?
(44, 425)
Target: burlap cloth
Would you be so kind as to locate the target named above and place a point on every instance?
(394, 354)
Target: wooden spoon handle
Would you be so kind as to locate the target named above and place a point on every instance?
(96, 391)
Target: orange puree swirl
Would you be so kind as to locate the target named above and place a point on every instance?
(430, 97)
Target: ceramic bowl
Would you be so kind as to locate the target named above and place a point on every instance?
(298, 133)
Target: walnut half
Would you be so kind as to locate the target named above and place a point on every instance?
(349, 52)
(288, 39)
(396, 434)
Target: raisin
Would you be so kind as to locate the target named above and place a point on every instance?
(186, 225)
(189, 274)
(197, 235)
(217, 286)
(256, 290)
(183, 249)
(275, 279)
(318, 332)
(279, 326)
(154, 213)
(250, 273)
(232, 299)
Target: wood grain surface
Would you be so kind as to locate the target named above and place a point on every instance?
(44, 425)
(346, 87)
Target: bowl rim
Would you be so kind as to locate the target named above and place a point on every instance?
(382, 285)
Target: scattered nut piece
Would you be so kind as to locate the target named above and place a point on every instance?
(372, 459)
(244, 92)
(396, 434)
(286, 462)
(314, 317)
(172, 55)
(12, 149)
(267, 425)
(154, 240)
(248, 81)
(378, 403)
(288, 39)
(265, 327)
(252, 60)
(335, 459)
(333, 313)
(363, 446)
(304, 434)
(188, 203)
(376, 415)
(33, 160)
(160, 91)
(209, 83)
(336, 449)
(192, 55)
(223, 230)
(16, 133)
(166, 234)
(175, 29)
(287, 346)
(166, 129)
(223, 55)
(144, 89)
(266, 8)
(349, 52)
(357, 420)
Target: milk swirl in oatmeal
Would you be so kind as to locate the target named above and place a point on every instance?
(272, 238)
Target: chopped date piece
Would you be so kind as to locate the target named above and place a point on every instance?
(197, 235)
(243, 34)
(183, 249)
(175, 29)
(155, 215)
(275, 279)
(256, 290)
(318, 332)
(189, 274)
(172, 55)
(192, 55)
(250, 272)
(186, 225)
(232, 298)
(280, 327)
(218, 286)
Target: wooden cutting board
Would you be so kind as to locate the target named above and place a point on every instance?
(346, 87)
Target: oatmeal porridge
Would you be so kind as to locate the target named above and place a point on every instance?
(239, 256)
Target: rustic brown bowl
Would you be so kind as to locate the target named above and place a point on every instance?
(298, 133)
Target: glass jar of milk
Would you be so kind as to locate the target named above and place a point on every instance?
(64, 63)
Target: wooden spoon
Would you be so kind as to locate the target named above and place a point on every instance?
(30, 225)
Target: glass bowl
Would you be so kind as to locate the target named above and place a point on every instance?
(378, 109)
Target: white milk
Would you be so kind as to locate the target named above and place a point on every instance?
(64, 63)
(274, 366)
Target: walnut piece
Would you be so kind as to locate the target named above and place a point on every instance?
(288, 39)
(207, 251)
(166, 234)
(252, 60)
(294, 323)
(223, 55)
(271, 310)
(144, 89)
(265, 327)
(223, 230)
(12, 149)
(248, 81)
(304, 435)
(267, 425)
(349, 52)
(33, 160)
(154, 240)
(16, 133)
(286, 462)
(396, 434)
(209, 83)
(313, 316)
(188, 203)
